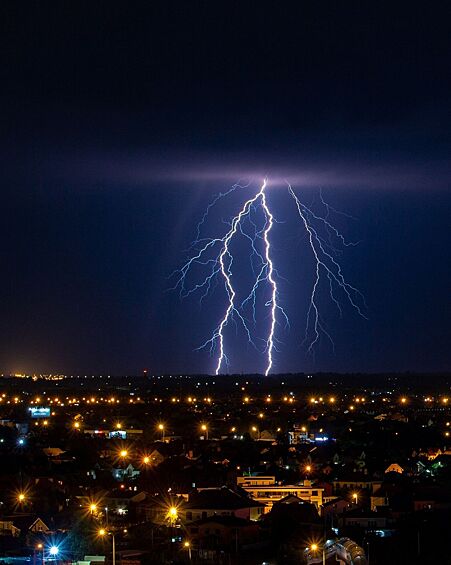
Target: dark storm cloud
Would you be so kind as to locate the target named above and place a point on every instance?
(118, 122)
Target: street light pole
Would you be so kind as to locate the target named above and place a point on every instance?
(314, 548)
(188, 546)
(114, 549)
(103, 532)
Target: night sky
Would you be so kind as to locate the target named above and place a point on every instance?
(118, 125)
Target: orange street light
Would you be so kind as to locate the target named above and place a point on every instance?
(204, 428)
(172, 514)
(256, 430)
(102, 533)
(314, 548)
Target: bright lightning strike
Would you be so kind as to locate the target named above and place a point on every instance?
(221, 264)
(271, 279)
(226, 273)
(216, 257)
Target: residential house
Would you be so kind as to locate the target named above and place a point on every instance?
(394, 468)
(223, 532)
(22, 524)
(210, 502)
(268, 493)
(366, 519)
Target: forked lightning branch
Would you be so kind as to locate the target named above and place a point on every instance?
(216, 256)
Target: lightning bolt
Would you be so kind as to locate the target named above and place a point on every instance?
(226, 273)
(214, 256)
(273, 301)
(221, 265)
(324, 262)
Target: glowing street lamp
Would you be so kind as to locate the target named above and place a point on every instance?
(187, 545)
(355, 497)
(21, 497)
(204, 428)
(172, 515)
(40, 547)
(93, 508)
(54, 552)
(146, 460)
(314, 548)
(102, 533)
(123, 453)
(256, 430)
(161, 428)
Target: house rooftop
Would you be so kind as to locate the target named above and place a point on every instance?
(229, 521)
(222, 498)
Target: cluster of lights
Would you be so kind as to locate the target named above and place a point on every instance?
(190, 399)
